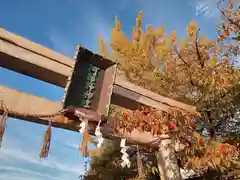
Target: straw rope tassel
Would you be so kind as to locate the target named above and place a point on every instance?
(46, 142)
(98, 135)
(3, 126)
(83, 148)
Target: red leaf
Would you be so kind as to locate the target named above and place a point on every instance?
(125, 116)
(171, 125)
(193, 124)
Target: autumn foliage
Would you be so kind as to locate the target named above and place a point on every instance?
(190, 70)
(199, 153)
(230, 23)
(186, 69)
(229, 30)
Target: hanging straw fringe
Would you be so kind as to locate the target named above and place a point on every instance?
(3, 122)
(83, 148)
(3, 126)
(98, 134)
(46, 142)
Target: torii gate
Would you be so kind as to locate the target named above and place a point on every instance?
(96, 86)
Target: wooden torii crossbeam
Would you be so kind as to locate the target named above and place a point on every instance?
(34, 60)
(31, 59)
(28, 58)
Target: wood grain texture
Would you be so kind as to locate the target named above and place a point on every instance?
(29, 58)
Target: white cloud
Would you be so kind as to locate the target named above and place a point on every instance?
(25, 174)
(207, 8)
(19, 156)
(63, 45)
(8, 154)
(85, 32)
(60, 42)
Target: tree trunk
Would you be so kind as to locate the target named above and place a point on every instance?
(167, 162)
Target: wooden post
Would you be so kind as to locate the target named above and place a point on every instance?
(167, 162)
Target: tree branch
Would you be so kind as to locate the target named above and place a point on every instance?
(198, 52)
(180, 57)
(190, 77)
(228, 19)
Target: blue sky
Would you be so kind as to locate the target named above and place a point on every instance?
(60, 25)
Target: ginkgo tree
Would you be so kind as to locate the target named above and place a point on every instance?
(189, 70)
(229, 29)
(230, 21)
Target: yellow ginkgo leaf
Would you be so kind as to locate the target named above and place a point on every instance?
(161, 42)
(213, 82)
(159, 32)
(214, 61)
(203, 40)
(168, 43)
(150, 28)
(174, 35)
(139, 20)
(192, 30)
(227, 33)
(102, 47)
(117, 24)
(183, 43)
(154, 170)
(133, 34)
(193, 25)
(93, 152)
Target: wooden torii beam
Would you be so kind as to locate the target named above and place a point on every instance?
(31, 59)
(16, 101)
(34, 60)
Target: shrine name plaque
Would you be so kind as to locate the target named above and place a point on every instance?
(91, 82)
